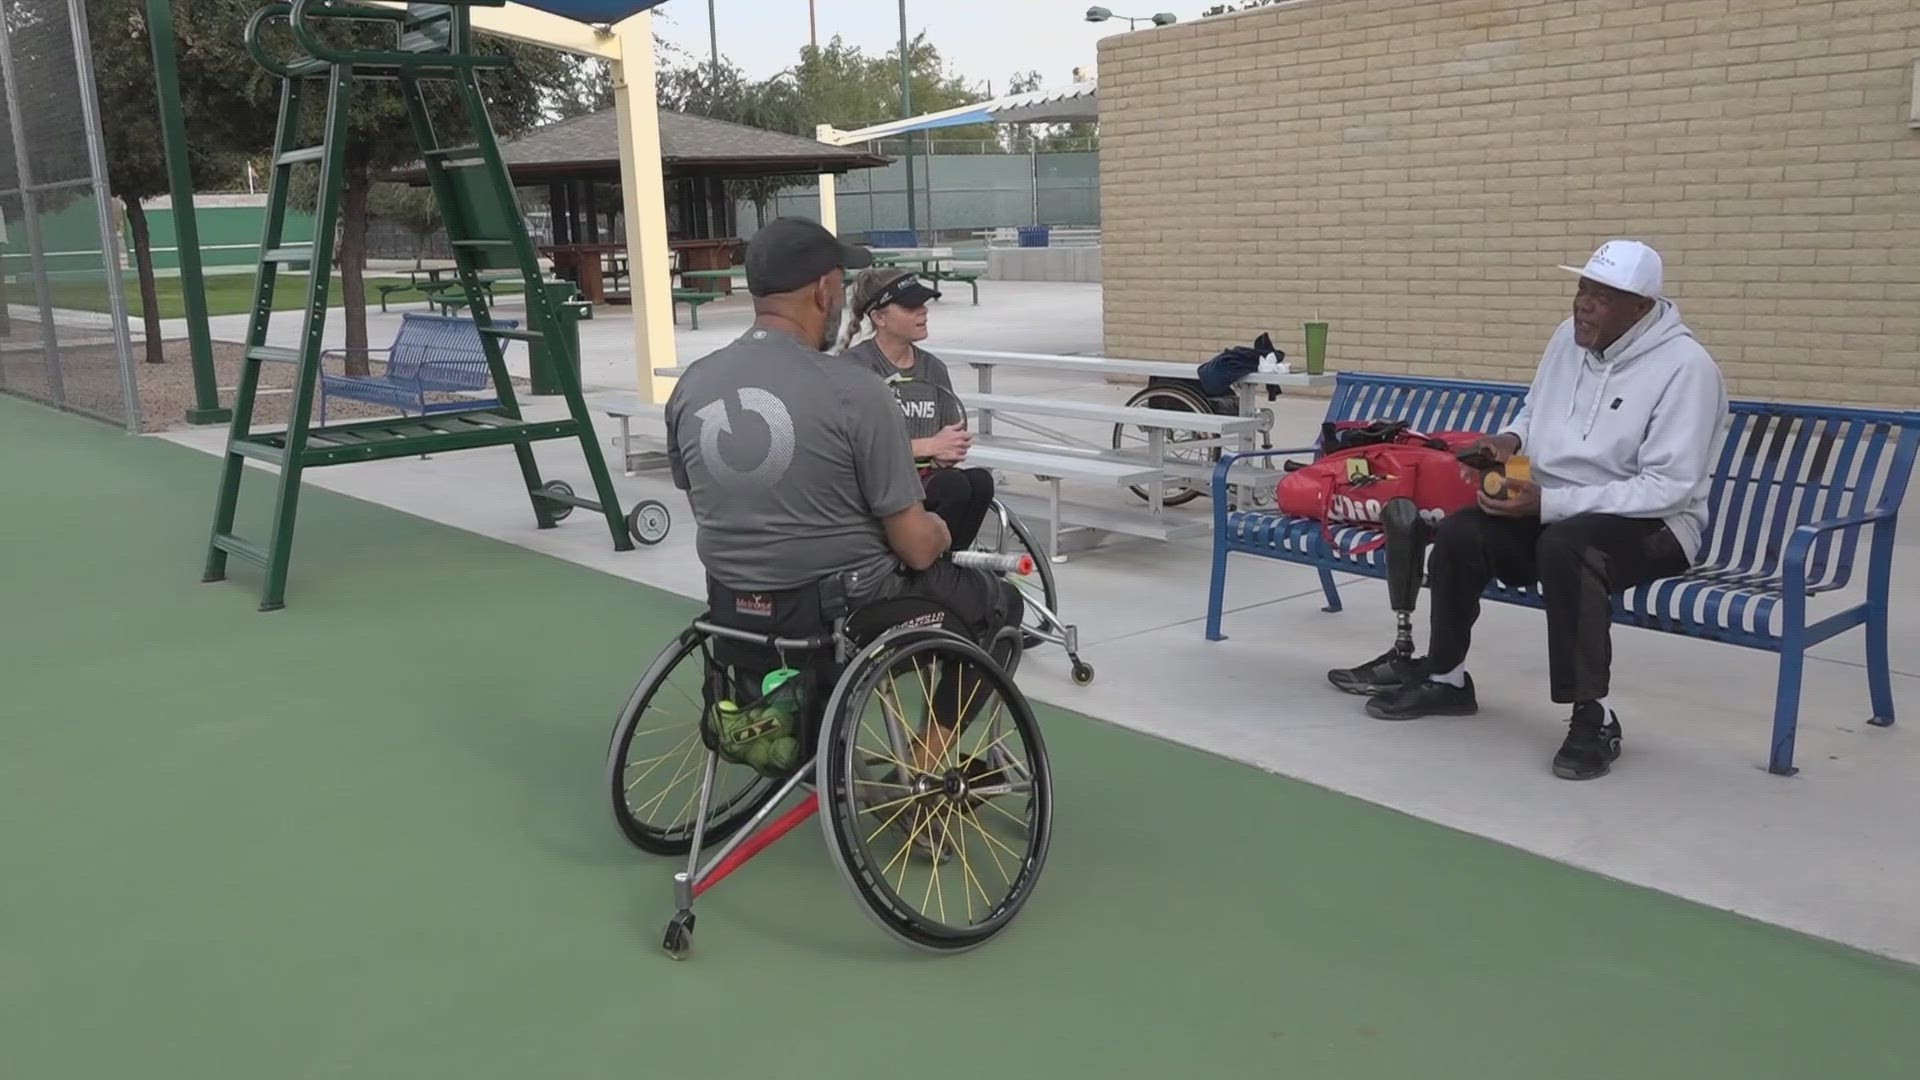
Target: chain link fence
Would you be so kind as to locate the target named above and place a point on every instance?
(64, 338)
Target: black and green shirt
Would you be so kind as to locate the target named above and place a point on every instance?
(925, 390)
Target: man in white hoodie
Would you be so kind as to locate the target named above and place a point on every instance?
(1621, 424)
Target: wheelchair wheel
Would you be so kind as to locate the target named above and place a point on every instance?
(1005, 534)
(1172, 399)
(657, 757)
(943, 844)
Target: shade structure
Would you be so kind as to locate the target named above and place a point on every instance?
(593, 11)
(1080, 101)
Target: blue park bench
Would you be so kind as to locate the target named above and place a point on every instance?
(1795, 487)
(432, 354)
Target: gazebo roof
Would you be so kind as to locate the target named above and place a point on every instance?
(588, 148)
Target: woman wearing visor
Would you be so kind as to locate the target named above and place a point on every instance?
(892, 303)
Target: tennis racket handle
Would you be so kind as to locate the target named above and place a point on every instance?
(1021, 564)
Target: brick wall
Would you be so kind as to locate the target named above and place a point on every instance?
(1413, 170)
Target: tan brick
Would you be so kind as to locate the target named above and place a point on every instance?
(1761, 144)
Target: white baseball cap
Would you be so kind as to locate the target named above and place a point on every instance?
(1627, 265)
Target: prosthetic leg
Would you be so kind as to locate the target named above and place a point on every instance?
(1407, 537)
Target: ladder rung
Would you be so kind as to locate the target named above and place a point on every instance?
(461, 154)
(301, 156)
(287, 254)
(516, 335)
(233, 545)
(259, 451)
(273, 354)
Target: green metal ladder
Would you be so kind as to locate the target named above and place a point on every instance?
(484, 227)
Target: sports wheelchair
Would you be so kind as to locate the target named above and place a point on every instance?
(911, 743)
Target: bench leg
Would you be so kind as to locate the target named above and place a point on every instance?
(694, 311)
(1217, 589)
(1333, 592)
(1879, 584)
(976, 292)
(1786, 705)
(1053, 520)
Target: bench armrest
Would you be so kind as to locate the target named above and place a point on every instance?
(1228, 460)
(1800, 547)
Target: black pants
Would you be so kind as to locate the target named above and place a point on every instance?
(961, 497)
(984, 604)
(1579, 563)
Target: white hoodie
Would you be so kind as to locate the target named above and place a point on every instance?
(1630, 432)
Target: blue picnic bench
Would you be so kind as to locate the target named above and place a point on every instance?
(432, 354)
(1795, 488)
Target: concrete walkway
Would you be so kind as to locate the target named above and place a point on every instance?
(1689, 809)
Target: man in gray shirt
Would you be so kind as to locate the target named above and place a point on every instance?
(797, 464)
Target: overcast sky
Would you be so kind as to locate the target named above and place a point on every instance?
(980, 39)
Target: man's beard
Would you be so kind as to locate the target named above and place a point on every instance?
(830, 333)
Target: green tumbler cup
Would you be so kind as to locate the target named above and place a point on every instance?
(1316, 348)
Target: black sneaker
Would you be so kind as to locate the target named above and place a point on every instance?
(1592, 745)
(1424, 698)
(1388, 671)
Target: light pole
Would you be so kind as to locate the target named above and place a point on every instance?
(713, 43)
(906, 113)
(1100, 14)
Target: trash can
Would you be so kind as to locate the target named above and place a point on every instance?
(571, 310)
(1036, 236)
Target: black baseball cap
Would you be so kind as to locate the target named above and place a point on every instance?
(792, 253)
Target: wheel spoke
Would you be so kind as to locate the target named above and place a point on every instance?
(656, 761)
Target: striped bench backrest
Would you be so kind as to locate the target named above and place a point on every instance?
(1779, 467)
(451, 344)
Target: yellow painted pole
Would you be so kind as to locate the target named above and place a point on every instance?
(829, 190)
(641, 180)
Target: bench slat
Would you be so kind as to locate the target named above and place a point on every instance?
(1210, 423)
(1063, 466)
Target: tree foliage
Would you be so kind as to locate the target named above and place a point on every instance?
(226, 98)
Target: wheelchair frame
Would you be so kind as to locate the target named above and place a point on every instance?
(1051, 629)
(856, 664)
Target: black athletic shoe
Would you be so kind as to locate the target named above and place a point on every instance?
(1592, 746)
(1424, 698)
(1388, 671)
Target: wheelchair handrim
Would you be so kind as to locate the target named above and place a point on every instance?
(838, 781)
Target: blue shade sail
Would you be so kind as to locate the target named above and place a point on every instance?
(594, 11)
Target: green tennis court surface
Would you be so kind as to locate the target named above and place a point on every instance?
(365, 837)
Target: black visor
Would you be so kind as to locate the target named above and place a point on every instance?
(908, 292)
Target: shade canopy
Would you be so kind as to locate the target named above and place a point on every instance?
(1080, 101)
(588, 148)
(593, 11)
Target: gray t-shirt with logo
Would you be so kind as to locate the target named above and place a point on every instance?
(925, 390)
(790, 458)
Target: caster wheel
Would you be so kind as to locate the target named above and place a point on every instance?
(560, 511)
(1082, 674)
(649, 522)
(679, 937)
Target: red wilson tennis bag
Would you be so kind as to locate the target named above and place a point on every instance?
(1348, 487)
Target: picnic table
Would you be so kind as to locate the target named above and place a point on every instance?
(931, 262)
(433, 285)
(713, 281)
(584, 265)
